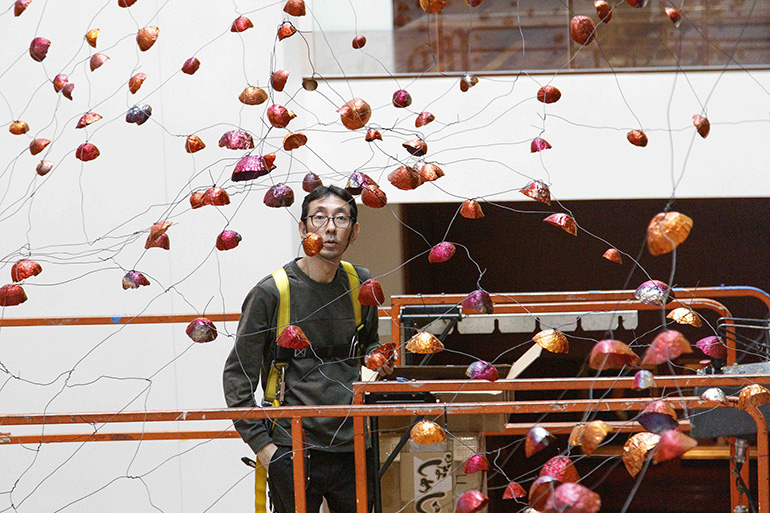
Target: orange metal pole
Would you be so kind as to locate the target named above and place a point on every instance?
(298, 464)
(763, 463)
(359, 444)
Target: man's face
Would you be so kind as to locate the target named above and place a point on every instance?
(336, 239)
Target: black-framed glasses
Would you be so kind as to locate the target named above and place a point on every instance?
(339, 220)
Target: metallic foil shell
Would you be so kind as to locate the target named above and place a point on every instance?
(753, 396)
(563, 221)
(423, 119)
(713, 347)
(667, 346)
(672, 444)
(228, 239)
(424, 343)
(292, 337)
(12, 295)
(480, 301)
(441, 252)
(593, 435)
(603, 10)
(684, 315)
(654, 292)
(146, 37)
(573, 498)
(24, 269)
(611, 354)
(294, 7)
(279, 195)
(355, 114)
(471, 501)
(370, 293)
(374, 197)
(636, 449)
(538, 438)
(548, 94)
(582, 30)
(637, 138)
(552, 340)
(201, 330)
(476, 463)
(538, 191)
(613, 255)
(643, 380)
(471, 209)
(657, 417)
(561, 468)
(252, 95)
(666, 231)
(427, 432)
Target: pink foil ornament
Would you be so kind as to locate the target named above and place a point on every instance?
(654, 292)
(560, 468)
(201, 330)
(482, 370)
(573, 498)
(713, 347)
(401, 99)
(38, 48)
(134, 280)
(441, 252)
(249, 168)
(279, 195)
(476, 463)
(471, 501)
(667, 346)
(480, 301)
(236, 140)
(514, 491)
(672, 444)
(539, 144)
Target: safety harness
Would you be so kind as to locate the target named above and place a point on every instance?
(275, 386)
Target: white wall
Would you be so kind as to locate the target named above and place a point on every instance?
(86, 222)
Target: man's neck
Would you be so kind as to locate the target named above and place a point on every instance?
(318, 269)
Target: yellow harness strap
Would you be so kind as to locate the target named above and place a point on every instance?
(277, 368)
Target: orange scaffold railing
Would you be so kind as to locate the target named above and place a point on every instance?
(532, 303)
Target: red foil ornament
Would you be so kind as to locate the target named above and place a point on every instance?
(370, 293)
(12, 295)
(292, 337)
(538, 191)
(228, 239)
(548, 94)
(134, 280)
(24, 269)
(279, 195)
(476, 463)
(86, 152)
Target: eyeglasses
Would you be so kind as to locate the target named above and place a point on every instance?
(340, 220)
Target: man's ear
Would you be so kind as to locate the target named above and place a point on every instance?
(353, 233)
(302, 229)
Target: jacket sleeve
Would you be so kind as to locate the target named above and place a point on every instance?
(247, 364)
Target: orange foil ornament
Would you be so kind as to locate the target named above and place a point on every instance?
(355, 114)
(424, 343)
(471, 209)
(666, 231)
(552, 340)
(146, 37)
(427, 432)
(636, 449)
(12, 295)
(563, 221)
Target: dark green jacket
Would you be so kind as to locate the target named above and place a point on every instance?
(324, 311)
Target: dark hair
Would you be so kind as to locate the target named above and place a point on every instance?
(324, 191)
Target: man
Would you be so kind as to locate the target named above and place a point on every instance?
(322, 307)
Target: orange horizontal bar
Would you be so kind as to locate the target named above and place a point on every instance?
(712, 380)
(356, 410)
(563, 428)
(138, 436)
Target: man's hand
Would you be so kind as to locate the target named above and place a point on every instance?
(265, 454)
(385, 370)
